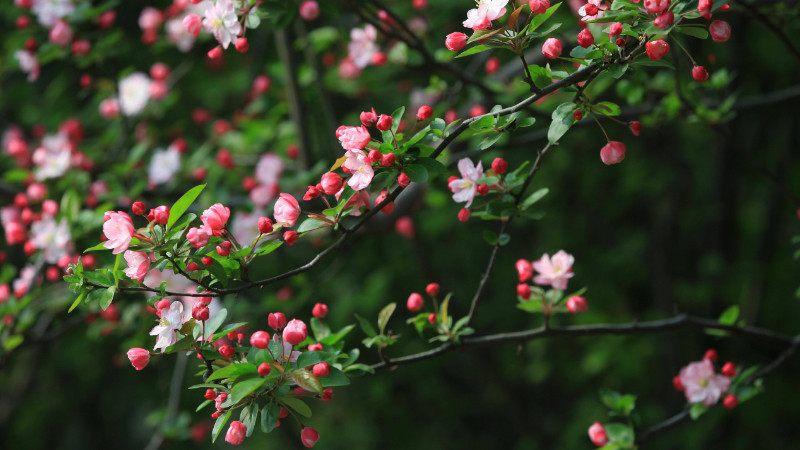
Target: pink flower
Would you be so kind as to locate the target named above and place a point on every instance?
(597, 433)
(309, 10)
(309, 437)
(199, 236)
(139, 358)
(138, 264)
(556, 271)
(362, 170)
(354, 138)
(720, 31)
(465, 187)
(221, 21)
(61, 34)
(295, 332)
(592, 10)
(613, 153)
(216, 217)
(118, 228)
(192, 24)
(236, 433)
(362, 45)
(168, 326)
(488, 10)
(287, 210)
(269, 169)
(701, 384)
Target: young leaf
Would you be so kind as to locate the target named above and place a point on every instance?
(220, 424)
(232, 371)
(244, 388)
(297, 405)
(730, 315)
(384, 315)
(183, 204)
(562, 121)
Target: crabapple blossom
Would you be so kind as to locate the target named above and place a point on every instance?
(353, 138)
(236, 433)
(53, 238)
(199, 236)
(164, 165)
(139, 358)
(555, 271)
(613, 153)
(701, 384)
(49, 11)
(592, 10)
(168, 326)
(200, 311)
(118, 228)
(455, 41)
(276, 320)
(138, 264)
(362, 171)
(216, 217)
(464, 188)
(53, 157)
(286, 209)
(551, 48)
(28, 63)
(109, 108)
(597, 433)
(488, 10)
(193, 24)
(220, 20)
(134, 92)
(309, 437)
(295, 332)
(61, 34)
(362, 45)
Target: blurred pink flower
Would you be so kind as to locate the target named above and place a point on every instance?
(701, 384)
(556, 271)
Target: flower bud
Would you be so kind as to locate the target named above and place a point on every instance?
(290, 237)
(730, 401)
(322, 369)
(210, 394)
(432, 318)
(224, 248)
(327, 395)
(524, 291)
(483, 189)
(309, 437)
(315, 347)
(657, 49)
(226, 351)
(193, 24)
(597, 433)
(704, 8)
(464, 214)
(61, 34)
(710, 355)
(576, 304)
(656, 6)
(387, 159)
(539, 6)
(551, 48)
(389, 207)
(236, 433)
(720, 31)
(215, 53)
(320, 310)
(577, 115)
(615, 29)
(676, 381)
(499, 166)
(138, 208)
(424, 113)
(415, 302)
(585, 38)
(368, 118)
(160, 215)
(404, 180)
(524, 269)
(200, 311)
(276, 320)
(612, 153)
(699, 73)
(295, 332)
(331, 183)
(729, 369)
(264, 369)
(635, 126)
(139, 358)
(264, 225)
(455, 41)
(492, 65)
(664, 20)
(432, 289)
(241, 44)
(260, 339)
(309, 10)
(384, 122)
(373, 156)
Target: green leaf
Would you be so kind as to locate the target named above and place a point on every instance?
(697, 410)
(248, 417)
(693, 30)
(306, 380)
(215, 322)
(297, 405)
(618, 70)
(269, 417)
(619, 433)
(607, 108)
(562, 121)
(533, 198)
(623, 404)
(338, 336)
(358, 368)
(183, 204)
(269, 247)
(76, 302)
(310, 358)
(312, 224)
(541, 76)
(226, 330)
(384, 315)
(730, 315)
(549, 29)
(234, 370)
(482, 123)
(246, 387)
(220, 424)
(335, 378)
(366, 326)
(489, 141)
(541, 18)
(474, 50)
(490, 237)
(504, 239)
(417, 172)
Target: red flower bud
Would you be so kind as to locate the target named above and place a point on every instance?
(657, 49)
(730, 401)
(615, 29)
(404, 180)
(264, 369)
(138, 208)
(384, 122)
(699, 73)
(264, 225)
(524, 291)
(236, 433)
(276, 320)
(290, 237)
(309, 437)
(499, 166)
(483, 189)
(551, 48)
(577, 115)
(260, 339)
(720, 31)
(242, 46)
(215, 53)
(320, 310)
(576, 304)
(635, 127)
(322, 369)
(226, 351)
(387, 159)
(585, 38)
(295, 332)
(210, 394)
(464, 214)
(432, 289)
(200, 311)
(729, 369)
(424, 113)
(139, 358)
(368, 118)
(664, 20)
(613, 153)
(455, 41)
(710, 355)
(415, 302)
(676, 381)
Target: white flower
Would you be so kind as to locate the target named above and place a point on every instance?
(361, 170)
(134, 92)
(164, 165)
(168, 326)
(53, 157)
(29, 63)
(221, 21)
(487, 11)
(54, 239)
(49, 11)
(362, 45)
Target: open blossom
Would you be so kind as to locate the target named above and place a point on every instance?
(168, 326)
(216, 217)
(221, 21)
(353, 138)
(701, 384)
(362, 171)
(287, 210)
(51, 237)
(199, 236)
(269, 169)
(164, 165)
(592, 10)
(555, 271)
(53, 157)
(362, 45)
(465, 187)
(138, 263)
(487, 11)
(118, 228)
(49, 11)
(134, 92)
(28, 63)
